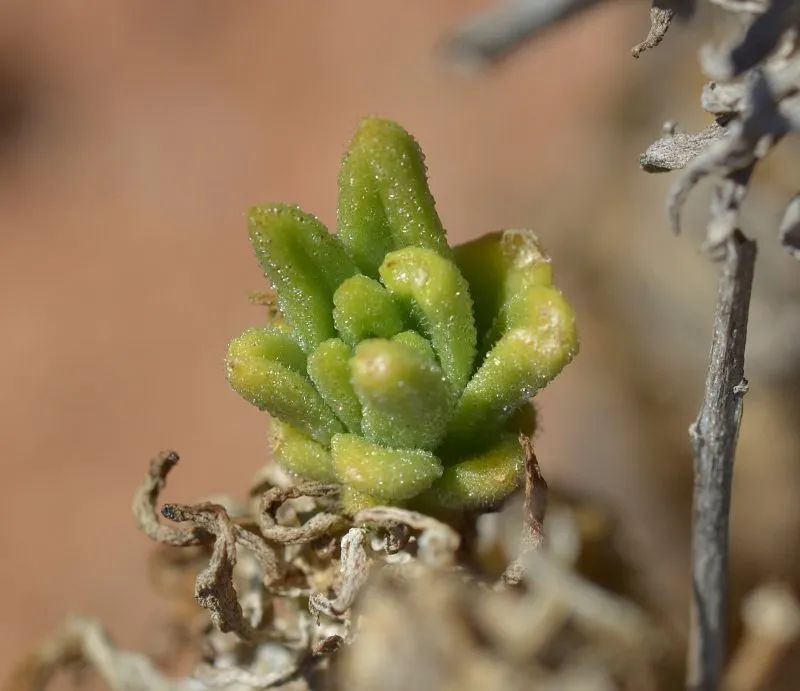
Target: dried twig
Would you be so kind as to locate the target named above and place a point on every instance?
(534, 510)
(676, 149)
(772, 623)
(500, 30)
(219, 677)
(714, 436)
(662, 12)
(732, 158)
(789, 231)
(86, 641)
(592, 607)
(761, 38)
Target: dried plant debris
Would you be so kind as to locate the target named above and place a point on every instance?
(789, 231)
(532, 535)
(755, 97)
(82, 641)
(303, 598)
(500, 30)
(434, 629)
(662, 12)
(676, 149)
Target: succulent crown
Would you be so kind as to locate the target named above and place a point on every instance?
(396, 365)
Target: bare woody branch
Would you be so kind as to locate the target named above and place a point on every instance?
(714, 436)
(501, 30)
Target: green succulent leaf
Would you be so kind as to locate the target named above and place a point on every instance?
(384, 200)
(354, 501)
(269, 343)
(300, 454)
(329, 369)
(380, 472)
(363, 308)
(498, 267)
(403, 395)
(439, 300)
(418, 343)
(539, 342)
(304, 263)
(477, 482)
(288, 395)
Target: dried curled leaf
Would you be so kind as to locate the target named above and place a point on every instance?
(146, 499)
(354, 572)
(214, 589)
(320, 524)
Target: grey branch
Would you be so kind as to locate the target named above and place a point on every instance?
(85, 640)
(789, 231)
(731, 158)
(499, 31)
(761, 38)
(662, 12)
(714, 436)
(675, 150)
(742, 6)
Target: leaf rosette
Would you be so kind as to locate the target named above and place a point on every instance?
(398, 366)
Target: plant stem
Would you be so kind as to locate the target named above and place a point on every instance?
(714, 435)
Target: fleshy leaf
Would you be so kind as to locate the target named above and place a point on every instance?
(439, 299)
(300, 454)
(478, 482)
(329, 369)
(384, 200)
(354, 501)
(269, 343)
(499, 266)
(384, 473)
(540, 341)
(287, 394)
(417, 342)
(403, 395)
(363, 308)
(305, 265)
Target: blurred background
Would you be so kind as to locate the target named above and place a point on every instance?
(134, 136)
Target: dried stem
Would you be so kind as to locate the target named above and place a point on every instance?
(500, 30)
(714, 436)
(535, 506)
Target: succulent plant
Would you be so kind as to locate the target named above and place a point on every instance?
(396, 365)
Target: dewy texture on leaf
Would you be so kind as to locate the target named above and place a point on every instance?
(396, 366)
